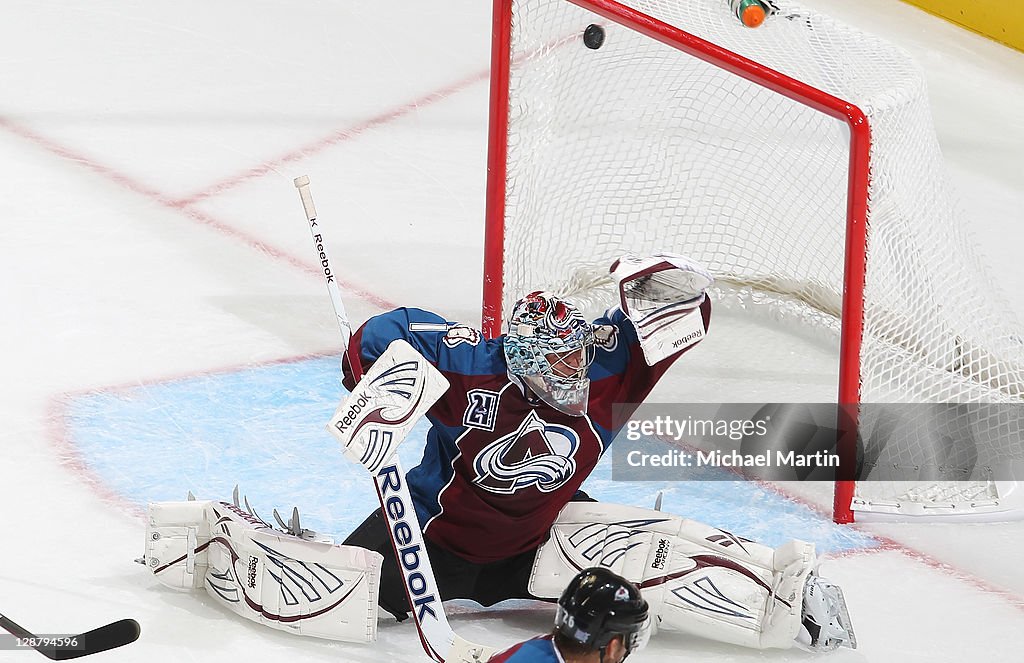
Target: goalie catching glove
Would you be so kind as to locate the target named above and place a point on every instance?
(661, 295)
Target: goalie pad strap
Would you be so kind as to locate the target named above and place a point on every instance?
(282, 581)
(697, 579)
(177, 536)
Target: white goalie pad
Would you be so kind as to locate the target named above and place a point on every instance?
(661, 296)
(313, 588)
(697, 579)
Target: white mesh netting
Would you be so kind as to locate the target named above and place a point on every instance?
(637, 146)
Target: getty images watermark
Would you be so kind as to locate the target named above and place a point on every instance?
(816, 442)
(664, 427)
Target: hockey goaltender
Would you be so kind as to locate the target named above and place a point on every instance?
(522, 423)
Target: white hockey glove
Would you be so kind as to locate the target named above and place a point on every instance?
(661, 295)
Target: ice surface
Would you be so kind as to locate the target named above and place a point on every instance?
(166, 329)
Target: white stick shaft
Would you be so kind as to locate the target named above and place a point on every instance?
(439, 641)
(302, 184)
(420, 586)
(370, 423)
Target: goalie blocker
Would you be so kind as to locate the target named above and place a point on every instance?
(286, 582)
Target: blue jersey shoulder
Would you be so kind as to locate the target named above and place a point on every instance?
(537, 650)
(616, 342)
(450, 346)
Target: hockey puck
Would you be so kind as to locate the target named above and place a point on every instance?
(593, 36)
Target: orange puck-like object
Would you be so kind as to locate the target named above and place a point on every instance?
(752, 15)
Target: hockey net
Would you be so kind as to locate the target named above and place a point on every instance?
(797, 161)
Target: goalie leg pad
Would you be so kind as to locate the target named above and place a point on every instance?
(312, 588)
(696, 579)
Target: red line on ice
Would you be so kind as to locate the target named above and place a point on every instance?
(334, 138)
(192, 213)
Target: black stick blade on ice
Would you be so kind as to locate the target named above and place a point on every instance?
(111, 636)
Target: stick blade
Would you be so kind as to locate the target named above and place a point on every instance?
(111, 636)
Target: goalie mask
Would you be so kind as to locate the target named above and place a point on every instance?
(550, 346)
(599, 605)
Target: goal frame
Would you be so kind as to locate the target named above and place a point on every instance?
(855, 251)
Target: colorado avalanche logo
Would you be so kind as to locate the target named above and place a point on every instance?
(536, 454)
(461, 334)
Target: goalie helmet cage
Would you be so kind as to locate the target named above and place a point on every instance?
(796, 160)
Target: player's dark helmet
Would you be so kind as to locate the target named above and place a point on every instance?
(598, 605)
(550, 346)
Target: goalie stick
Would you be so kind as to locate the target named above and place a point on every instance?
(370, 424)
(302, 184)
(64, 648)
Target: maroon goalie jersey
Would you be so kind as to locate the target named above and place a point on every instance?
(499, 464)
